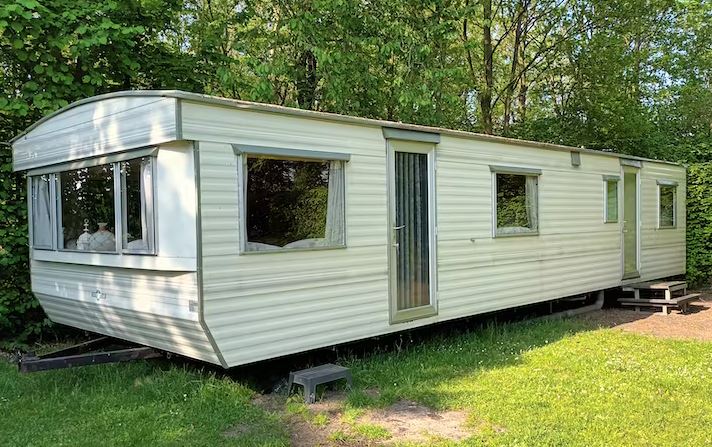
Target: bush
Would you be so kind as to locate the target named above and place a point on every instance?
(20, 313)
(699, 224)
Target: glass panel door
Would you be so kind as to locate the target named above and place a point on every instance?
(411, 230)
(412, 235)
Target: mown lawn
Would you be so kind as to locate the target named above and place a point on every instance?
(528, 384)
(138, 404)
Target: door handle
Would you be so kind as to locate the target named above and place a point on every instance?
(399, 227)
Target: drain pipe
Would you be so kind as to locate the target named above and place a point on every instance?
(597, 305)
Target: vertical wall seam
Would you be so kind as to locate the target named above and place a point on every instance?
(199, 257)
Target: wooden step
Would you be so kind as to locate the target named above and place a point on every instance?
(656, 285)
(665, 305)
(659, 301)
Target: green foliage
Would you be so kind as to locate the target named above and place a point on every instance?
(296, 195)
(511, 201)
(52, 53)
(699, 223)
(630, 76)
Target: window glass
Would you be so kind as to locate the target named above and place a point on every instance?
(667, 206)
(293, 203)
(611, 201)
(41, 212)
(86, 199)
(137, 203)
(516, 203)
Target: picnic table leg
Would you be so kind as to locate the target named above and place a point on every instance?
(665, 310)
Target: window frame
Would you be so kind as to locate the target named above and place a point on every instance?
(513, 170)
(243, 152)
(667, 184)
(30, 213)
(152, 234)
(606, 180)
(115, 160)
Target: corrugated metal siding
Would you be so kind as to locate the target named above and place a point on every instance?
(662, 250)
(260, 306)
(575, 252)
(97, 128)
(143, 306)
(263, 305)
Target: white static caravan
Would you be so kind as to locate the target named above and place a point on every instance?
(233, 232)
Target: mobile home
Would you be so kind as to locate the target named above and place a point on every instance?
(233, 232)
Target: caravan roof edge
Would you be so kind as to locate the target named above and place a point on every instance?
(271, 108)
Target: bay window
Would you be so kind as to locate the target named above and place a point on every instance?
(99, 206)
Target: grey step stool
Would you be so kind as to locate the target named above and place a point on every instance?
(311, 377)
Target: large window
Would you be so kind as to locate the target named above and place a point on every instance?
(293, 203)
(516, 202)
(87, 212)
(611, 199)
(94, 204)
(667, 195)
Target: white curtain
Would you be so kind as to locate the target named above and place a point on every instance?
(532, 201)
(41, 220)
(334, 233)
(146, 200)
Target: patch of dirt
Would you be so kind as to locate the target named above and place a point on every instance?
(302, 432)
(406, 422)
(412, 422)
(696, 324)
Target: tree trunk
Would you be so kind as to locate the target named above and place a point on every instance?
(306, 80)
(509, 92)
(487, 53)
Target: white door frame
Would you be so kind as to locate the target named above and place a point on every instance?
(630, 275)
(399, 316)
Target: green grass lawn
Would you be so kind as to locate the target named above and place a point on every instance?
(527, 384)
(137, 404)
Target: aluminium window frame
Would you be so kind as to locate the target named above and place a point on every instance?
(30, 213)
(243, 152)
(151, 219)
(667, 184)
(115, 161)
(606, 180)
(514, 170)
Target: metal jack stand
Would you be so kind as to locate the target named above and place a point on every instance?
(87, 353)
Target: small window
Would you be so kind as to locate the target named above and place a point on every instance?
(137, 204)
(611, 208)
(41, 211)
(291, 203)
(516, 204)
(668, 212)
(87, 213)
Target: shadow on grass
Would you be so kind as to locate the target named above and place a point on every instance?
(446, 349)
